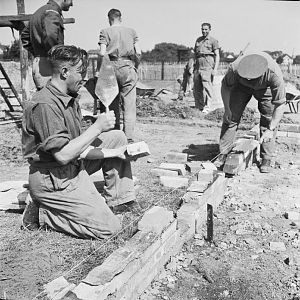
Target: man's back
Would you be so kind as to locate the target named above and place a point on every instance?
(119, 40)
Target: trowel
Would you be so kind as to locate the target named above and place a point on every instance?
(107, 86)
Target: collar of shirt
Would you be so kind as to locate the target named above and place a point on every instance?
(55, 6)
(64, 98)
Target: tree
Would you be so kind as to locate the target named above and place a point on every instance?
(165, 52)
(13, 51)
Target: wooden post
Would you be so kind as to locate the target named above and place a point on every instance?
(163, 70)
(23, 58)
(210, 223)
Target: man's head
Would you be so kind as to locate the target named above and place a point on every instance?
(205, 28)
(114, 16)
(69, 66)
(252, 66)
(64, 4)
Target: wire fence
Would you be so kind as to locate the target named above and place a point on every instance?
(171, 71)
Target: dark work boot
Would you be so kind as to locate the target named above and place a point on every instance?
(265, 166)
(30, 217)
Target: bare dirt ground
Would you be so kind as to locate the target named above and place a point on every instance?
(240, 263)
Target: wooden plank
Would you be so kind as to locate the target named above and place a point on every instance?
(26, 17)
(23, 58)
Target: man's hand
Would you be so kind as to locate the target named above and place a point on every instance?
(267, 136)
(106, 121)
(227, 116)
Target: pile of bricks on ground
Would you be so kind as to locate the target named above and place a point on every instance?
(127, 272)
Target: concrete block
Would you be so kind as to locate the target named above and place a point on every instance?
(58, 288)
(244, 145)
(201, 216)
(174, 182)
(176, 157)
(162, 172)
(180, 168)
(137, 150)
(289, 127)
(155, 219)
(194, 166)
(292, 215)
(198, 186)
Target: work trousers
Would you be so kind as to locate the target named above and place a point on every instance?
(125, 102)
(203, 90)
(239, 98)
(41, 71)
(68, 199)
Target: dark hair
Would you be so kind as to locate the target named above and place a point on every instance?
(206, 24)
(62, 54)
(114, 14)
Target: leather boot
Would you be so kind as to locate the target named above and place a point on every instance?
(30, 217)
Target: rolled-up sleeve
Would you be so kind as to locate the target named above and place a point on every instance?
(230, 78)
(277, 89)
(50, 127)
(103, 38)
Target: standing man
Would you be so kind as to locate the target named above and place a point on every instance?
(256, 75)
(207, 59)
(61, 156)
(44, 30)
(121, 45)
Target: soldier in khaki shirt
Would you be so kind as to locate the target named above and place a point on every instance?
(207, 61)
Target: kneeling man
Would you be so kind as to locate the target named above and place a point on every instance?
(62, 156)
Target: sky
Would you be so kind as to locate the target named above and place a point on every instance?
(266, 25)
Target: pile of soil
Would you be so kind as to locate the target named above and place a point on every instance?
(156, 108)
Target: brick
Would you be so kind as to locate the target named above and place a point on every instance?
(174, 182)
(186, 220)
(292, 215)
(137, 150)
(244, 145)
(293, 134)
(162, 172)
(282, 133)
(194, 166)
(176, 157)
(289, 127)
(198, 186)
(155, 219)
(208, 166)
(277, 246)
(191, 197)
(201, 216)
(58, 288)
(180, 168)
(234, 163)
(214, 194)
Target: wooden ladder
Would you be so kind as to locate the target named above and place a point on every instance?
(9, 87)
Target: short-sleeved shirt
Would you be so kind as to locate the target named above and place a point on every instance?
(49, 122)
(272, 79)
(119, 41)
(45, 30)
(206, 46)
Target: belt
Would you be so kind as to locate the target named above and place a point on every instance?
(113, 58)
(203, 55)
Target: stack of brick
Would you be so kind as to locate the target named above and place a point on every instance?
(244, 152)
